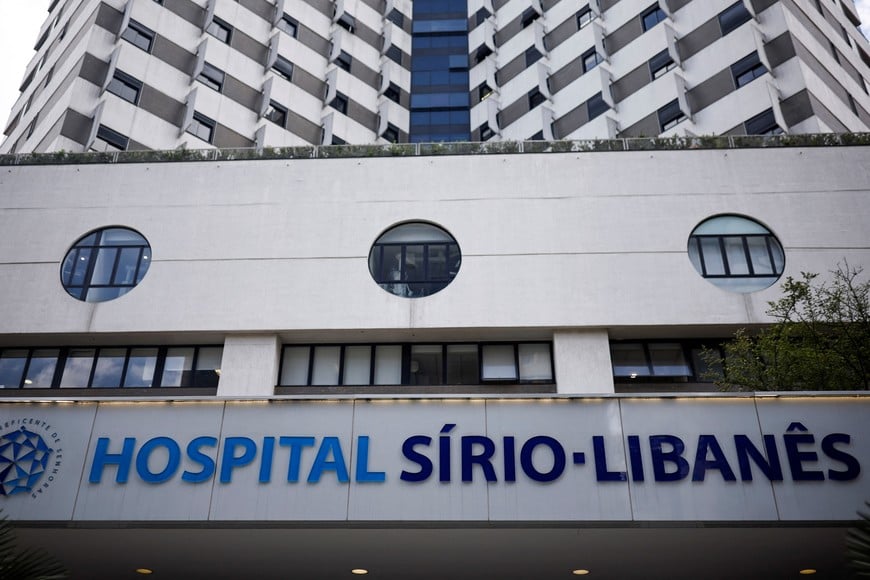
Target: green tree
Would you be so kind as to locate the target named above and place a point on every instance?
(820, 339)
(858, 546)
(27, 563)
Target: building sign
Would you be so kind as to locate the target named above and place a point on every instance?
(571, 459)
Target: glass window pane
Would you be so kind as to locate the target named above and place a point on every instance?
(426, 364)
(77, 370)
(41, 371)
(535, 362)
(12, 368)
(145, 261)
(103, 268)
(759, 255)
(712, 256)
(140, 368)
(388, 365)
(414, 263)
(208, 366)
(736, 256)
(177, 368)
(294, 366)
(438, 262)
(668, 359)
(463, 367)
(629, 360)
(357, 365)
(325, 365)
(110, 366)
(498, 362)
(121, 237)
(702, 368)
(126, 272)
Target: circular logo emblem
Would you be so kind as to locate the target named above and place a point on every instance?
(24, 458)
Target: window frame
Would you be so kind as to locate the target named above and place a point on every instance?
(670, 115)
(584, 17)
(212, 77)
(127, 81)
(277, 111)
(91, 250)
(202, 121)
(405, 364)
(687, 346)
(108, 135)
(283, 68)
(139, 30)
(289, 25)
(660, 64)
(747, 69)
(654, 12)
(63, 354)
(224, 27)
(733, 17)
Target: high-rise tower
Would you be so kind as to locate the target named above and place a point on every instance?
(148, 74)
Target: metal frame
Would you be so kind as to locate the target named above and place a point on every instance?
(769, 240)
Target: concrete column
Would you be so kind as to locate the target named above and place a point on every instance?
(249, 366)
(582, 359)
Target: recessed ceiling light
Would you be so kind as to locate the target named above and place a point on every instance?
(807, 572)
(144, 571)
(359, 571)
(580, 572)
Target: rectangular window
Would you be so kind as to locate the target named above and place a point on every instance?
(212, 77)
(344, 61)
(585, 16)
(125, 86)
(733, 17)
(339, 103)
(396, 18)
(77, 368)
(762, 124)
(670, 115)
(660, 64)
(12, 363)
(393, 93)
(42, 368)
(416, 364)
(202, 127)
(529, 15)
(347, 22)
(591, 59)
(480, 16)
(109, 140)
(661, 361)
(277, 114)
(109, 371)
(139, 35)
(747, 69)
(220, 30)
(283, 67)
(289, 25)
(652, 16)
(535, 98)
(596, 105)
(533, 55)
(141, 365)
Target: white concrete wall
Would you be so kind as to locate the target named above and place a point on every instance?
(552, 242)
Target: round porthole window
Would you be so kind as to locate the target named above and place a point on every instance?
(736, 253)
(105, 264)
(414, 259)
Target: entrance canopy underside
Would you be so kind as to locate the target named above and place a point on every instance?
(406, 552)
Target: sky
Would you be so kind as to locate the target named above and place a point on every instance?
(20, 21)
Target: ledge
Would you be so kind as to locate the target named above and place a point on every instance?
(431, 149)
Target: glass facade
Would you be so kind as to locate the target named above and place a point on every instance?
(439, 72)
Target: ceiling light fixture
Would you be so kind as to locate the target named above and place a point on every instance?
(807, 572)
(580, 572)
(144, 571)
(359, 571)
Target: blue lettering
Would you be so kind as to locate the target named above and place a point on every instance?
(634, 455)
(558, 459)
(796, 457)
(172, 462)
(363, 475)
(330, 446)
(601, 471)
(266, 459)
(769, 466)
(230, 460)
(510, 460)
(412, 455)
(195, 455)
(708, 444)
(296, 445)
(853, 468)
(444, 453)
(660, 457)
(483, 459)
(102, 457)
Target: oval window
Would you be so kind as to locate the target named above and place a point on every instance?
(105, 264)
(736, 253)
(414, 259)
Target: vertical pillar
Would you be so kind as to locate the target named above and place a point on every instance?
(249, 366)
(582, 359)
